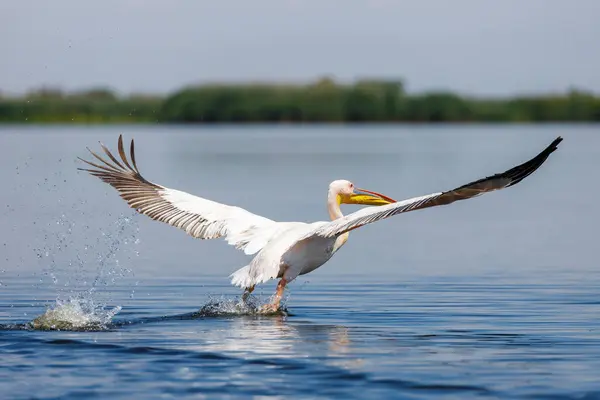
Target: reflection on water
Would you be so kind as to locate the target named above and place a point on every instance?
(275, 336)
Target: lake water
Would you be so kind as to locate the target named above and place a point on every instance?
(494, 297)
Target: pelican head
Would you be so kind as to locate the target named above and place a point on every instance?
(347, 193)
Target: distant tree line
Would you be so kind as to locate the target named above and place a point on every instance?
(91, 106)
(322, 101)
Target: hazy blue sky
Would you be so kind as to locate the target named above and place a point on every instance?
(472, 46)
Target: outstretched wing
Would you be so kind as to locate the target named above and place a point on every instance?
(200, 218)
(473, 189)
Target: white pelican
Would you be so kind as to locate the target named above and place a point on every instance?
(285, 249)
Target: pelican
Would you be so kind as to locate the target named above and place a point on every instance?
(283, 250)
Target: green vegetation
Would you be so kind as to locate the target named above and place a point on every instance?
(323, 101)
(92, 106)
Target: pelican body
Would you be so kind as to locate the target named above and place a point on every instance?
(282, 250)
(289, 257)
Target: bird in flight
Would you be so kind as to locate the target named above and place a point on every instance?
(284, 250)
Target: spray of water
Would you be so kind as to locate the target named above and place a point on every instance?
(81, 251)
(82, 303)
(75, 314)
(223, 306)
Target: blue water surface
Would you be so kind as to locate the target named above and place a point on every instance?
(494, 297)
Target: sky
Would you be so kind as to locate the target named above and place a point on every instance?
(476, 47)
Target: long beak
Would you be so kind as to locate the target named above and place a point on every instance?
(369, 198)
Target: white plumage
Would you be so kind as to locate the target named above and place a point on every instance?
(206, 219)
(283, 249)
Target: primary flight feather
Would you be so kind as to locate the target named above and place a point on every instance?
(283, 249)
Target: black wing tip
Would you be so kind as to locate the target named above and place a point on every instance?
(554, 145)
(113, 166)
(103, 146)
(522, 171)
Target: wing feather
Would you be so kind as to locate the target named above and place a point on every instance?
(473, 189)
(198, 217)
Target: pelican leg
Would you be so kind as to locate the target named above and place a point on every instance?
(247, 293)
(274, 306)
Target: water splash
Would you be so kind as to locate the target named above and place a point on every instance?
(76, 314)
(70, 242)
(224, 306)
(82, 303)
(67, 252)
